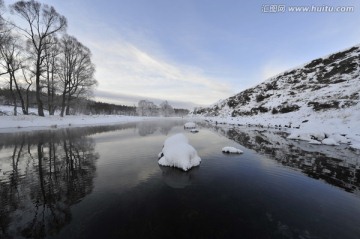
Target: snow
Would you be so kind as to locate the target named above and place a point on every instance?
(319, 137)
(313, 141)
(342, 125)
(301, 86)
(355, 146)
(231, 150)
(340, 139)
(190, 125)
(329, 141)
(177, 152)
(33, 122)
(300, 136)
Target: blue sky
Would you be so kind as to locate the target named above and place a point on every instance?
(195, 52)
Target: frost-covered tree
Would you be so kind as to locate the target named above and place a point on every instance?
(166, 109)
(146, 108)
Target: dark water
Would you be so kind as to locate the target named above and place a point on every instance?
(104, 182)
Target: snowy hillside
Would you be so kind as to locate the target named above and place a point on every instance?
(325, 84)
(321, 97)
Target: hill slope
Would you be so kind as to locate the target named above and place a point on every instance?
(322, 95)
(329, 83)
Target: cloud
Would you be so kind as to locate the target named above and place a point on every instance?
(125, 69)
(116, 98)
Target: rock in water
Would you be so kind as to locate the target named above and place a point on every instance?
(177, 152)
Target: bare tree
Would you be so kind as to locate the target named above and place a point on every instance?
(28, 79)
(52, 53)
(1, 14)
(10, 52)
(43, 21)
(76, 71)
(166, 109)
(146, 108)
(4, 31)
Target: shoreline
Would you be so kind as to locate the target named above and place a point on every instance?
(23, 123)
(328, 128)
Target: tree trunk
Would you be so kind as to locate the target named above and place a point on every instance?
(27, 98)
(13, 94)
(24, 110)
(38, 87)
(63, 103)
(68, 106)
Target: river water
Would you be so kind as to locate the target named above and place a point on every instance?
(105, 182)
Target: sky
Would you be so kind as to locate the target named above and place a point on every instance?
(196, 52)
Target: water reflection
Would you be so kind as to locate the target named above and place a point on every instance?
(41, 177)
(176, 178)
(164, 127)
(339, 166)
(44, 173)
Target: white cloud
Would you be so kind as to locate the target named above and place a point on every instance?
(125, 69)
(114, 97)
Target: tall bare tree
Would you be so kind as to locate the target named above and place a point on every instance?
(3, 30)
(76, 71)
(10, 52)
(52, 52)
(42, 22)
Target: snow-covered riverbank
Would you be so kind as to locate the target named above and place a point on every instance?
(342, 127)
(32, 122)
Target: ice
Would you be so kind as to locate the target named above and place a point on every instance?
(308, 136)
(190, 125)
(300, 136)
(177, 152)
(355, 146)
(329, 141)
(313, 141)
(231, 150)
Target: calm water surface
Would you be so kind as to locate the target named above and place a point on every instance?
(104, 182)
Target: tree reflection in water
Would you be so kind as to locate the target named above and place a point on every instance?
(339, 166)
(42, 175)
(164, 127)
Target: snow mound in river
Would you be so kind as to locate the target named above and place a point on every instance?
(177, 152)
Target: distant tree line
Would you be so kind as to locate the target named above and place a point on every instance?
(37, 56)
(148, 108)
(82, 106)
(91, 107)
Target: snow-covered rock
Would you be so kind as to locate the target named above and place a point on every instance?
(313, 141)
(329, 141)
(355, 146)
(190, 125)
(307, 136)
(177, 152)
(300, 136)
(340, 139)
(231, 150)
